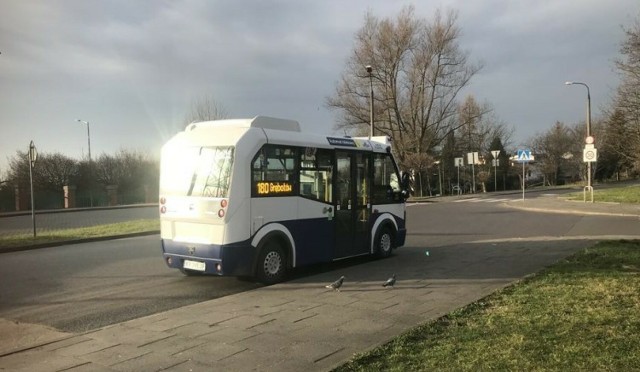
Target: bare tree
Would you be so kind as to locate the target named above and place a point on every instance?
(107, 170)
(51, 171)
(617, 148)
(55, 171)
(558, 153)
(18, 173)
(127, 168)
(418, 71)
(628, 95)
(205, 108)
(3, 178)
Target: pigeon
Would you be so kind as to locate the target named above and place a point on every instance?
(390, 282)
(336, 285)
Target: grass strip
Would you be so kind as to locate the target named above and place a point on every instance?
(582, 314)
(51, 236)
(629, 194)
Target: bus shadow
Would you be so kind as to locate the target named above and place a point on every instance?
(311, 270)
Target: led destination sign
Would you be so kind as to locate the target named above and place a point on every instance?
(274, 188)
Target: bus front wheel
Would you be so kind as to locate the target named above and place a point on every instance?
(384, 243)
(272, 264)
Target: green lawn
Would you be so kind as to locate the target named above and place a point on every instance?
(629, 194)
(582, 314)
(49, 236)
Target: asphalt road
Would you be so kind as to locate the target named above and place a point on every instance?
(85, 286)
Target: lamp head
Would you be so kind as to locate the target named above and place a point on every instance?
(369, 68)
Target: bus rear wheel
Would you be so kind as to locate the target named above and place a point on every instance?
(272, 264)
(384, 243)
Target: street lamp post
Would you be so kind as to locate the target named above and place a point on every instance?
(589, 187)
(88, 137)
(90, 165)
(370, 70)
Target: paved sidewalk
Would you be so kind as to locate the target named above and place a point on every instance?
(299, 325)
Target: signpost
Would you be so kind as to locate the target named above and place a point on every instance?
(589, 155)
(473, 158)
(459, 162)
(495, 162)
(524, 156)
(33, 155)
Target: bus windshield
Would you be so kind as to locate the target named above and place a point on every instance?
(197, 171)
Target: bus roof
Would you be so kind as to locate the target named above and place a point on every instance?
(281, 131)
(264, 122)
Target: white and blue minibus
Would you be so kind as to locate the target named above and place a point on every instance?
(258, 197)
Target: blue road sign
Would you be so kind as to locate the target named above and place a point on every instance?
(524, 155)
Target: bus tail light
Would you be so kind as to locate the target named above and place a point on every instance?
(223, 208)
(163, 207)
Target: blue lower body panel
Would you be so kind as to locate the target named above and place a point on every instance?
(232, 259)
(313, 240)
(401, 237)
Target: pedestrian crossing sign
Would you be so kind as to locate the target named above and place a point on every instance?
(524, 155)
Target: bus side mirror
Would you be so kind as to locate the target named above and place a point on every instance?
(405, 185)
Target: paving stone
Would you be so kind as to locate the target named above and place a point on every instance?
(125, 334)
(153, 361)
(173, 345)
(85, 347)
(37, 360)
(115, 354)
(212, 353)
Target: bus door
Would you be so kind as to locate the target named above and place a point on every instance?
(352, 208)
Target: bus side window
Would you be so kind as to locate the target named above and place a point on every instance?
(385, 180)
(273, 170)
(315, 174)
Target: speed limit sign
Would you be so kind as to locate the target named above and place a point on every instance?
(589, 155)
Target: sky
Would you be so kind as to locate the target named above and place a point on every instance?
(132, 68)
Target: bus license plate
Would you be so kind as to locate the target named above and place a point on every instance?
(193, 265)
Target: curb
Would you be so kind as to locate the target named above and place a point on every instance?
(572, 211)
(569, 210)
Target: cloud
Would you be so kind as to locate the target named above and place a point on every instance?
(132, 67)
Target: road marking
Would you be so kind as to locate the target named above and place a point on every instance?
(469, 200)
(482, 200)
